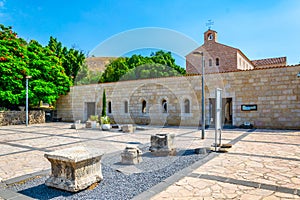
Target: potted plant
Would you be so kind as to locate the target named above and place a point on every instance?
(105, 123)
(104, 120)
(93, 119)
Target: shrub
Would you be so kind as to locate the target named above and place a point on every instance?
(94, 118)
(105, 120)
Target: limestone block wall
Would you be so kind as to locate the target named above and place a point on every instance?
(72, 106)
(18, 117)
(275, 91)
(154, 92)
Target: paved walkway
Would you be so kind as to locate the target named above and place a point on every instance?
(262, 164)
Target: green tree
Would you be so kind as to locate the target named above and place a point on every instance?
(49, 79)
(19, 59)
(13, 67)
(115, 70)
(165, 58)
(72, 59)
(159, 64)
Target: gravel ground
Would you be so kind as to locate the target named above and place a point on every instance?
(120, 181)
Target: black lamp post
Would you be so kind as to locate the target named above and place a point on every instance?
(203, 93)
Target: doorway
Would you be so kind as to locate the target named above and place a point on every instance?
(90, 109)
(226, 111)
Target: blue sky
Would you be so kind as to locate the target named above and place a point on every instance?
(259, 28)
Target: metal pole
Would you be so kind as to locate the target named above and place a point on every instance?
(203, 100)
(27, 77)
(203, 95)
(26, 101)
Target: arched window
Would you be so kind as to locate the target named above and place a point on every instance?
(144, 105)
(210, 62)
(109, 107)
(125, 106)
(217, 62)
(187, 106)
(164, 105)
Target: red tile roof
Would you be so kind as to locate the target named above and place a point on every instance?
(269, 61)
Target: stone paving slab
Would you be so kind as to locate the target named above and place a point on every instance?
(263, 164)
(23, 148)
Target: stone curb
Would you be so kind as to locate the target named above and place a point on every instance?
(9, 194)
(26, 177)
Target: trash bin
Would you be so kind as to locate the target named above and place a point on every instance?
(48, 116)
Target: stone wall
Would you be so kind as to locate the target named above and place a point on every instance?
(19, 117)
(98, 64)
(73, 106)
(275, 91)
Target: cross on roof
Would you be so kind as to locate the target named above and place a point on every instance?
(209, 24)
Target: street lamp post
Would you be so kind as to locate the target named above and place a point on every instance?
(27, 77)
(203, 95)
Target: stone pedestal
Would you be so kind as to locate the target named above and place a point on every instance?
(74, 169)
(76, 125)
(128, 128)
(131, 155)
(162, 145)
(203, 150)
(88, 124)
(94, 124)
(91, 124)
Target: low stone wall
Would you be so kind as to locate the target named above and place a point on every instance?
(19, 117)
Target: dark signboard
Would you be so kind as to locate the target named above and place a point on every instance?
(249, 107)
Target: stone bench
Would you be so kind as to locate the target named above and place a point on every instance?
(74, 169)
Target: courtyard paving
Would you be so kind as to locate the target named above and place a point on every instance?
(262, 164)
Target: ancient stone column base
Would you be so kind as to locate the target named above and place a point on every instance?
(128, 128)
(162, 145)
(171, 152)
(74, 169)
(131, 155)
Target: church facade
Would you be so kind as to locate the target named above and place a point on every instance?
(265, 93)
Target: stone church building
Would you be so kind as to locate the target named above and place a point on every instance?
(264, 92)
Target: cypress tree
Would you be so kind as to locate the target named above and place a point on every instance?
(103, 104)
